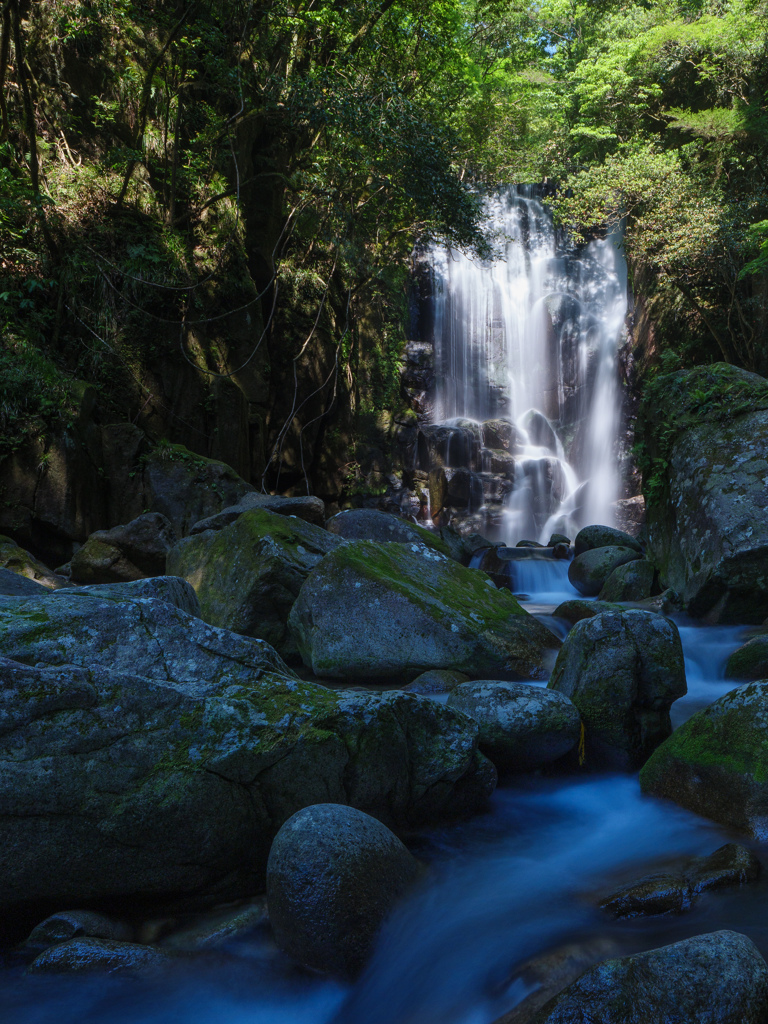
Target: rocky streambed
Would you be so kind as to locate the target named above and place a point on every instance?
(331, 773)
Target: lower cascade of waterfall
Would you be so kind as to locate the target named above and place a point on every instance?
(525, 413)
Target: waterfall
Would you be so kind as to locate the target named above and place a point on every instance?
(526, 403)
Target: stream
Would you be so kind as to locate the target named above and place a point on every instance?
(521, 879)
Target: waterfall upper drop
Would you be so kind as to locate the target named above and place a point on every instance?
(526, 409)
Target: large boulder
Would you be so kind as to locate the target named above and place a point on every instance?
(171, 589)
(247, 575)
(370, 524)
(704, 435)
(718, 978)
(306, 507)
(128, 552)
(716, 763)
(147, 754)
(750, 661)
(391, 611)
(589, 571)
(622, 670)
(597, 536)
(632, 581)
(186, 487)
(521, 726)
(333, 876)
(15, 559)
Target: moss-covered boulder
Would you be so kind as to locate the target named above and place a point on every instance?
(303, 506)
(750, 661)
(521, 726)
(716, 763)
(719, 978)
(598, 536)
(384, 527)
(148, 755)
(391, 611)
(577, 609)
(589, 571)
(622, 670)
(126, 552)
(15, 559)
(632, 581)
(186, 487)
(704, 438)
(248, 574)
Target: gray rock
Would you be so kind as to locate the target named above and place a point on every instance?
(412, 609)
(14, 559)
(521, 726)
(127, 552)
(750, 661)
(166, 761)
(334, 875)
(577, 609)
(622, 670)
(383, 527)
(309, 508)
(171, 589)
(589, 571)
(591, 537)
(247, 575)
(90, 956)
(707, 529)
(716, 763)
(72, 924)
(677, 891)
(436, 681)
(186, 487)
(219, 927)
(502, 434)
(632, 581)
(719, 978)
(13, 584)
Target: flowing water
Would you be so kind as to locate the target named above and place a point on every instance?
(532, 336)
(522, 879)
(534, 332)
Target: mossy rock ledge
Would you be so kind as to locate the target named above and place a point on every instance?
(146, 755)
(704, 435)
(388, 612)
(248, 574)
(623, 671)
(716, 763)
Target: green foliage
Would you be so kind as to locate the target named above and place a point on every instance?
(35, 395)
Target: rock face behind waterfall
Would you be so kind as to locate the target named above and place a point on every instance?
(704, 436)
(391, 611)
(145, 753)
(622, 670)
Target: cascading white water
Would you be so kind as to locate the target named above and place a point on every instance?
(532, 337)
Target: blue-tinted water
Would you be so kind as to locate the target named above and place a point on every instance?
(523, 878)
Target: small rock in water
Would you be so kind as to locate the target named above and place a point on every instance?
(590, 570)
(334, 874)
(521, 726)
(89, 955)
(561, 551)
(718, 978)
(71, 924)
(558, 538)
(436, 681)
